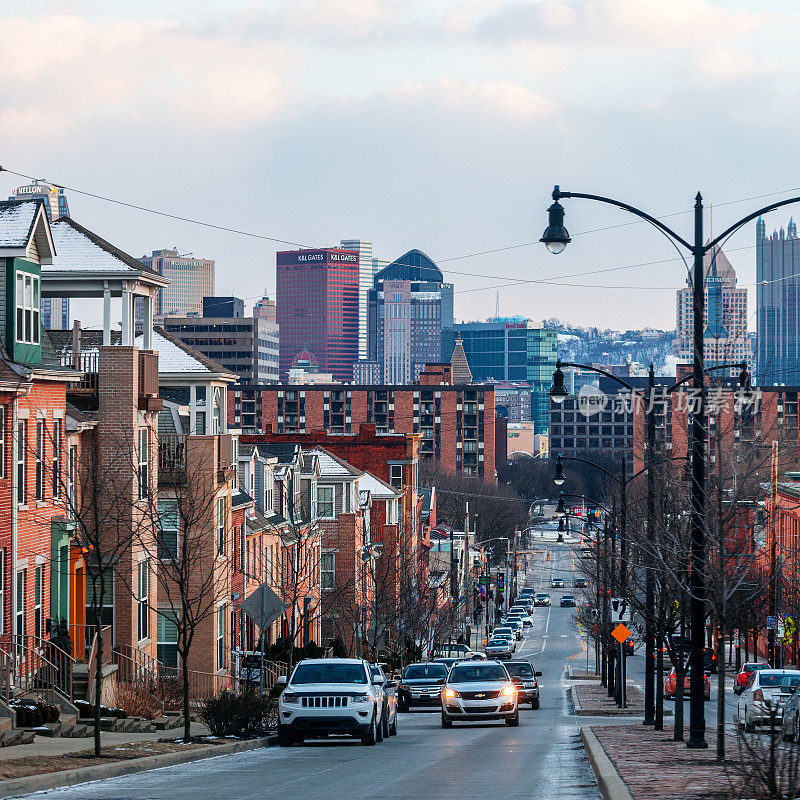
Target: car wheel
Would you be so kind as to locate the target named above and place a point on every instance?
(393, 727)
(371, 736)
(401, 706)
(748, 728)
(285, 738)
(446, 721)
(535, 705)
(385, 722)
(512, 722)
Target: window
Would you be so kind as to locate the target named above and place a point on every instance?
(72, 466)
(27, 301)
(325, 502)
(328, 570)
(167, 637)
(22, 445)
(220, 526)
(22, 580)
(168, 529)
(40, 459)
(221, 637)
(2, 441)
(396, 475)
(38, 627)
(144, 463)
(235, 460)
(56, 458)
(143, 618)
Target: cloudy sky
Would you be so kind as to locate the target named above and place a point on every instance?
(436, 124)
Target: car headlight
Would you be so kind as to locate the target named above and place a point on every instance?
(290, 699)
(509, 691)
(451, 693)
(360, 698)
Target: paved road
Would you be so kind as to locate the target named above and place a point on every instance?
(542, 758)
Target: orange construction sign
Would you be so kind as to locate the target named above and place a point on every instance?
(621, 633)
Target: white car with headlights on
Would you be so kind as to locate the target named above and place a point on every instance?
(477, 691)
(331, 696)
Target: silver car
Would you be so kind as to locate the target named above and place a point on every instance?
(764, 696)
(499, 648)
(476, 691)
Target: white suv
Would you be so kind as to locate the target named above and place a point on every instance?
(330, 695)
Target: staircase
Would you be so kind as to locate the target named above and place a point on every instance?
(67, 727)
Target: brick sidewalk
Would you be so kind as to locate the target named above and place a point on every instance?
(655, 768)
(594, 700)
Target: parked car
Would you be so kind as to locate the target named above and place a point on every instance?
(557, 583)
(421, 684)
(524, 676)
(455, 650)
(505, 632)
(515, 625)
(389, 687)
(683, 646)
(568, 601)
(475, 692)
(671, 685)
(764, 696)
(744, 673)
(330, 695)
(581, 583)
(790, 727)
(541, 599)
(524, 605)
(499, 648)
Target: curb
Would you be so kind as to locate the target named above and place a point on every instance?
(576, 704)
(54, 780)
(611, 786)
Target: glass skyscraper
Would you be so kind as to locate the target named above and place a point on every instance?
(366, 273)
(509, 349)
(317, 309)
(777, 306)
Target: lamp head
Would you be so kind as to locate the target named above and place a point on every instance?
(555, 237)
(558, 478)
(560, 508)
(558, 392)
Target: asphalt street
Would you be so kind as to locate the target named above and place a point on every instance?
(543, 758)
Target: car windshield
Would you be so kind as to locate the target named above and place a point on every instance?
(567, 597)
(542, 595)
(473, 673)
(520, 670)
(498, 631)
(329, 673)
(755, 667)
(498, 643)
(768, 679)
(426, 671)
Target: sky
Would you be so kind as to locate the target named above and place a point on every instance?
(440, 125)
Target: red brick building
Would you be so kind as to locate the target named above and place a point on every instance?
(455, 423)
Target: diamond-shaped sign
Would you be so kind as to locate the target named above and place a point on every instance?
(621, 633)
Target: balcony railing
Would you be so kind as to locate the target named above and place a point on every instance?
(88, 363)
(171, 454)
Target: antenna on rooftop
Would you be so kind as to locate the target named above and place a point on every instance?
(497, 304)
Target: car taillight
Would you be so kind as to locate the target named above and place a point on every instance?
(758, 695)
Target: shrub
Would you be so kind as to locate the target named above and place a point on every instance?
(137, 701)
(86, 709)
(244, 714)
(33, 713)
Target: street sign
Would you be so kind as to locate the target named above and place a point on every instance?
(621, 633)
(772, 623)
(620, 610)
(484, 580)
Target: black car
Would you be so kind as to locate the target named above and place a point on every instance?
(421, 685)
(581, 583)
(567, 601)
(524, 676)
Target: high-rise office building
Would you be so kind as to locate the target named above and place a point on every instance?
(265, 309)
(777, 306)
(247, 346)
(366, 274)
(725, 337)
(317, 308)
(55, 310)
(428, 302)
(191, 278)
(509, 349)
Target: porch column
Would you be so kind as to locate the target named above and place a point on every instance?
(193, 409)
(106, 315)
(209, 408)
(147, 331)
(127, 323)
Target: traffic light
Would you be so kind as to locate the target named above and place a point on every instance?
(501, 581)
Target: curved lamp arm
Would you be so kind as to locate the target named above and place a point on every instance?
(557, 194)
(744, 220)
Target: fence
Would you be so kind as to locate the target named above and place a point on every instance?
(26, 668)
(88, 363)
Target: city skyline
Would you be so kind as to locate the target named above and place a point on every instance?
(534, 99)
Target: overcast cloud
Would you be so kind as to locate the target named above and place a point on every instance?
(436, 124)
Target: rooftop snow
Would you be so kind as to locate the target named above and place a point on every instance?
(377, 488)
(329, 465)
(16, 220)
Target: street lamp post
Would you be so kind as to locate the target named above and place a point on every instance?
(556, 238)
